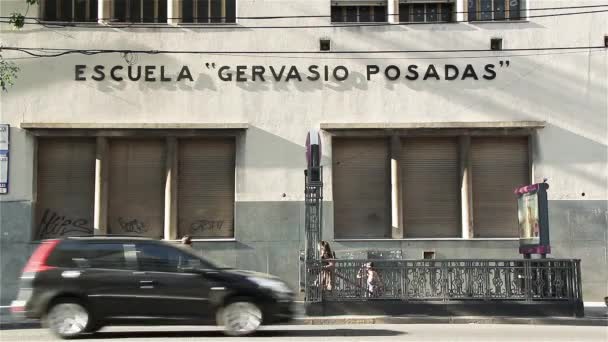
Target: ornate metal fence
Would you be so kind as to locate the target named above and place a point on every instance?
(446, 280)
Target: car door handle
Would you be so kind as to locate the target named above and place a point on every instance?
(147, 284)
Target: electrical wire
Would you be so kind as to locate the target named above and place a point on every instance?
(56, 52)
(375, 58)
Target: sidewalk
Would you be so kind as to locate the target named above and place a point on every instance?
(594, 316)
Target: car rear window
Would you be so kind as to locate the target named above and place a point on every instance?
(79, 254)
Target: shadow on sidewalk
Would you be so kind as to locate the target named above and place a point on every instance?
(262, 333)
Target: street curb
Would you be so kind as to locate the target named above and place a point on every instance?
(335, 320)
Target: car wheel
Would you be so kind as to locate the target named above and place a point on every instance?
(68, 319)
(240, 318)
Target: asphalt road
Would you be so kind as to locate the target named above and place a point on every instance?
(330, 333)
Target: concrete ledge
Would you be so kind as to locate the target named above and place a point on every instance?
(435, 125)
(64, 125)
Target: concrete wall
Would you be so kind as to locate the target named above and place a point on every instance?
(567, 89)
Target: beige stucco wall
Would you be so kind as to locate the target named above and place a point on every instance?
(567, 90)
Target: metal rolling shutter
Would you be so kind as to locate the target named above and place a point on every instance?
(136, 187)
(431, 187)
(65, 187)
(361, 188)
(206, 187)
(500, 164)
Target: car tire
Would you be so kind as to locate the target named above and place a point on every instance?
(69, 318)
(240, 318)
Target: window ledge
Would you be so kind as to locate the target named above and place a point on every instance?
(432, 125)
(68, 23)
(126, 24)
(207, 25)
(92, 125)
(428, 239)
(519, 21)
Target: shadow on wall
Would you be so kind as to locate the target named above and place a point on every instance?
(579, 149)
(262, 149)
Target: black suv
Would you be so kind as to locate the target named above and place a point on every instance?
(79, 284)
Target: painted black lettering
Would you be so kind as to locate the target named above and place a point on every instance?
(451, 72)
(396, 72)
(78, 71)
(313, 69)
(372, 70)
(100, 74)
(259, 71)
(293, 73)
(491, 74)
(226, 77)
(150, 73)
(240, 73)
(277, 77)
(162, 75)
(431, 72)
(185, 73)
(113, 73)
(130, 72)
(469, 71)
(412, 73)
(344, 73)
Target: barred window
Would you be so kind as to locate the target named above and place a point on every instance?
(69, 10)
(487, 10)
(425, 12)
(139, 11)
(358, 11)
(208, 11)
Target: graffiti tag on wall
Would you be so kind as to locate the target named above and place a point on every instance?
(133, 226)
(200, 226)
(54, 225)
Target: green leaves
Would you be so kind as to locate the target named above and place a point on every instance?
(9, 70)
(17, 19)
(8, 73)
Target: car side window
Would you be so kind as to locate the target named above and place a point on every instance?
(159, 258)
(107, 255)
(90, 255)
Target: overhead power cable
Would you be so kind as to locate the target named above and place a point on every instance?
(55, 52)
(228, 26)
(342, 58)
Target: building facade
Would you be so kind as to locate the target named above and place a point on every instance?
(430, 114)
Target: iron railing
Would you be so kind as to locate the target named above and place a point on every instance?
(446, 280)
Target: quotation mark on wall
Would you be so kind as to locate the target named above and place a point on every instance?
(505, 64)
(210, 65)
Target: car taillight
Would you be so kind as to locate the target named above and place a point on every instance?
(37, 262)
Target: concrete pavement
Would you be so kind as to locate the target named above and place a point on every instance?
(594, 316)
(339, 333)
